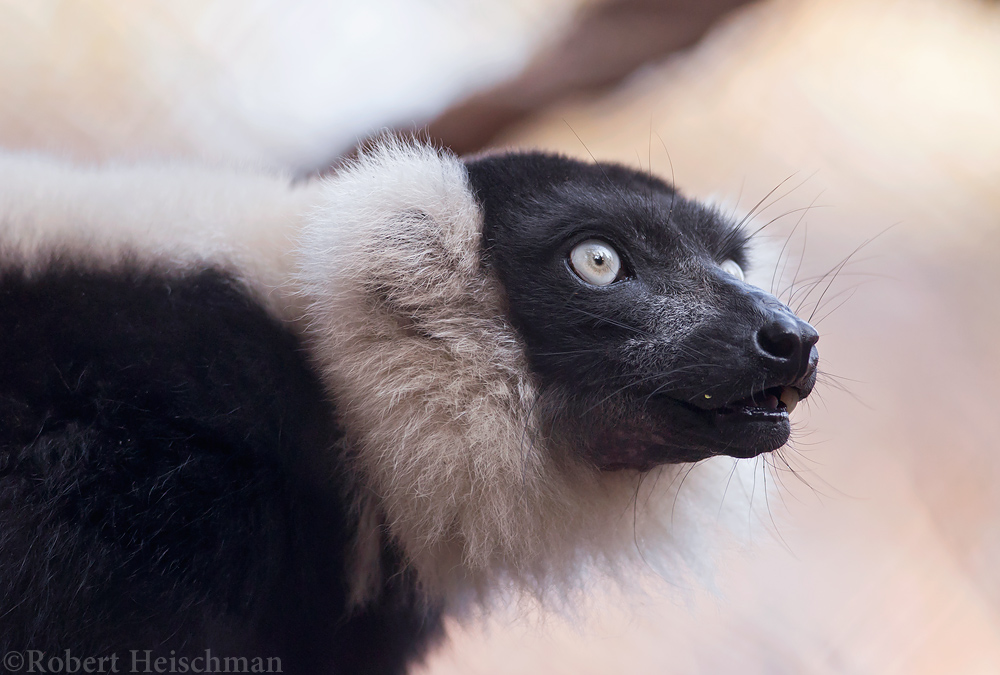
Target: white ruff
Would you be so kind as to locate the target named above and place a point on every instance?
(432, 386)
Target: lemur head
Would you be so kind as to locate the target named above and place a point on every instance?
(515, 341)
(648, 344)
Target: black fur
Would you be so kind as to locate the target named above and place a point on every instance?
(638, 372)
(168, 481)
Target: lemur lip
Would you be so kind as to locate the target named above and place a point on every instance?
(780, 398)
(773, 401)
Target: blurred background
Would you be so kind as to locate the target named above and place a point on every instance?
(877, 121)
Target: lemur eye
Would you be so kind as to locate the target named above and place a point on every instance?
(732, 268)
(595, 261)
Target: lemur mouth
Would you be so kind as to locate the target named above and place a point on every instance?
(685, 432)
(771, 402)
(752, 425)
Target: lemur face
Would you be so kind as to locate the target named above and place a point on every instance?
(648, 345)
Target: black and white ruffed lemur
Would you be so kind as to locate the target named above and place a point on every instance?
(304, 422)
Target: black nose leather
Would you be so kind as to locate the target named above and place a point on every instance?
(787, 340)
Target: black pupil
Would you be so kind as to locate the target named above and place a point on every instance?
(598, 259)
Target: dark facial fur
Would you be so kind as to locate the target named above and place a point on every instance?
(675, 361)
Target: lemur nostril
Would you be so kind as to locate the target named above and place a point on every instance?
(782, 340)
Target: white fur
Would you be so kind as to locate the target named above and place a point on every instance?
(177, 214)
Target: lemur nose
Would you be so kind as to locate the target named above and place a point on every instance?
(787, 340)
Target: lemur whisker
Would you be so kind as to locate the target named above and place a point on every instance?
(838, 268)
(673, 180)
(774, 275)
